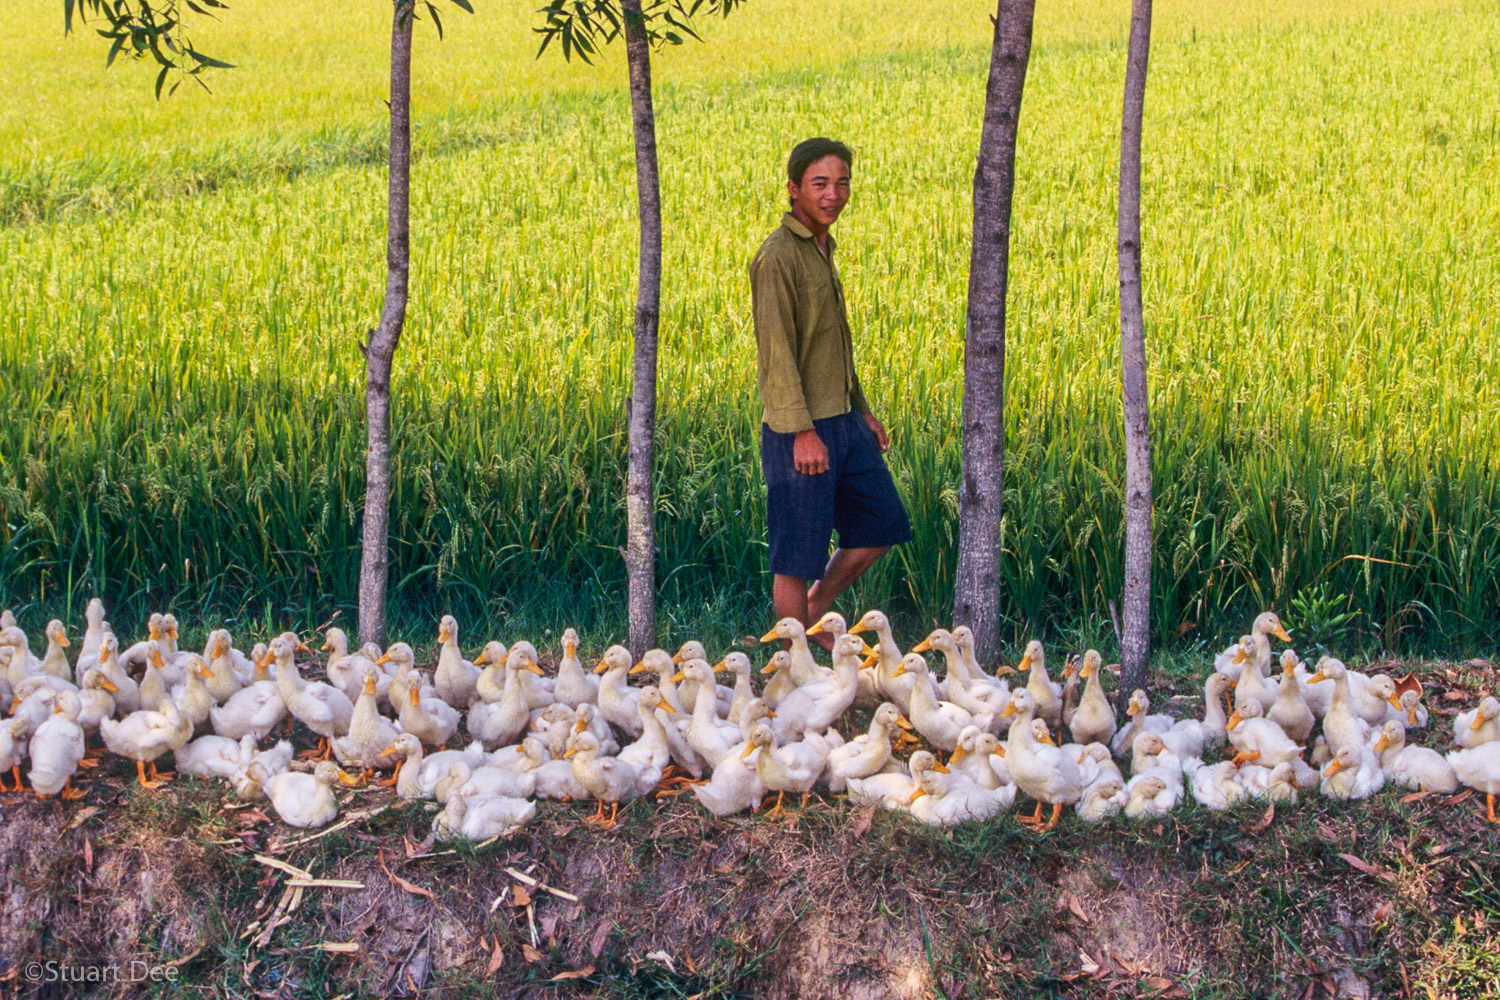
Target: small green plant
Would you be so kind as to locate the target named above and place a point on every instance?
(1318, 615)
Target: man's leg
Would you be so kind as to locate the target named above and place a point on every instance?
(846, 566)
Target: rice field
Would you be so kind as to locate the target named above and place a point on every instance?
(184, 284)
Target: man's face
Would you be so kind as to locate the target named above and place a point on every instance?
(824, 190)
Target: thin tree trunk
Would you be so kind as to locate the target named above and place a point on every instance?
(976, 596)
(640, 526)
(375, 558)
(1135, 631)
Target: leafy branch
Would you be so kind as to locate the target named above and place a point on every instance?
(581, 27)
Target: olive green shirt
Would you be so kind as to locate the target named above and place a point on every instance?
(804, 350)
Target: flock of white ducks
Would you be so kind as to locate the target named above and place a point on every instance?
(589, 733)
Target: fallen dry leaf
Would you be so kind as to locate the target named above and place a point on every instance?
(80, 816)
(252, 817)
(1264, 821)
(529, 953)
(521, 896)
(1158, 983)
(601, 934)
(1366, 867)
(1455, 695)
(549, 924)
(1462, 796)
(861, 824)
(583, 973)
(1327, 833)
(88, 855)
(497, 959)
(410, 887)
(1381, 912)
(1073, 903)
(1413, 797)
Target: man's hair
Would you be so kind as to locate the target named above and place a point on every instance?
(810, 151)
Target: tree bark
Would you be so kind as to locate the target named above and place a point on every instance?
(640, 526)
(1135, 627)
(976, 596)
(381, 349)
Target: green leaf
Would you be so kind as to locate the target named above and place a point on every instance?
(436, 20)
(208, 61)
(465, 5)
(114, 50)
(161, 78)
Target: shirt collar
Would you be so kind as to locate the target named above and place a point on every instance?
(791, 222)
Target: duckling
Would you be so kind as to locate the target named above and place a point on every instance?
(1104, 798)
(418, 773)
(305, 800)
(97, 699)
(939, 722)
(501, 722)
(687, 690)
(1214, 786)
(1266, 624)
(35, 708)
(791, 767)
(802, 668)
(223, 682)
(55, 661)
(1377, 701)
(1354, 773)
(153, 688)
(963, 638)
(980, 758)
(1043, 772)
(1046, 696)
(369, 732)
(1412, 708)
(56, 748)
(709, 736)
(467, 781)
(1257, 739)
(1478, 726)
(649, 755)
(144, 736)
(455, 676)
(482, 817)
(93, 635)
(214, 757)
(574, 686)
(12, 752)
(1095, 721)
(1072, 688)
(254, 710)
(1290, 711)
(984, 696)
(618, 703)
(1279, 783)
(137, 656)
(172, 669)
(320, 707)
(866, 754)
(1413, 766)
(819, 703)
(739, 665)
(346, 671)
(1231, 661)
(893, 789)
(886, 684)
(607, 779)
(403, 661)
(1342, 725)
(527, 755)
(1479, 768)
(536, 686)
(659, 662)
(1139, 708)
(734, 786)
(1150, 795)
(191, 696)
(127, 692)
(1150, 752)
(943, 800)
(430, 719)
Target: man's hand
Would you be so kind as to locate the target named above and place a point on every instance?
(878, 429)
(809, 453)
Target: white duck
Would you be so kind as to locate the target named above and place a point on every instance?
(607, 779)
(866, 754)
(1259, 740)
(1043, 772)
(482, 817)
(618, 702)
(346, 671)
(1479, 725)
(430, 719)
(883, 684)
(1094, 721)
(817, 704)
(1214, 786)
(1046, 695)
(1354, 773)
(93, 635)
(369, 732)
(418, 773)
(1150, 794)
(1290, 710)
(319, 706)
(54, 660)
(981, 696)
(215, 757)
(56, 748)
(793, 767)
(1342, 725)
(1413, 766)
(127, 692)
(893, 789)
(710, 736)
(574, 686)
(254, 710)
(455, 676)
(939, 722)
(500, 723)
(305, 800)
(144, 736)
(943, 800)
(1479, 768)
(1104, 798)
(12, 752)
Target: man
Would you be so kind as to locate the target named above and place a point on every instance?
(820, 446)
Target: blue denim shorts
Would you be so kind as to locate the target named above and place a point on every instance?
(856, 497)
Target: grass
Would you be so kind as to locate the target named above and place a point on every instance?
(186, 282)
